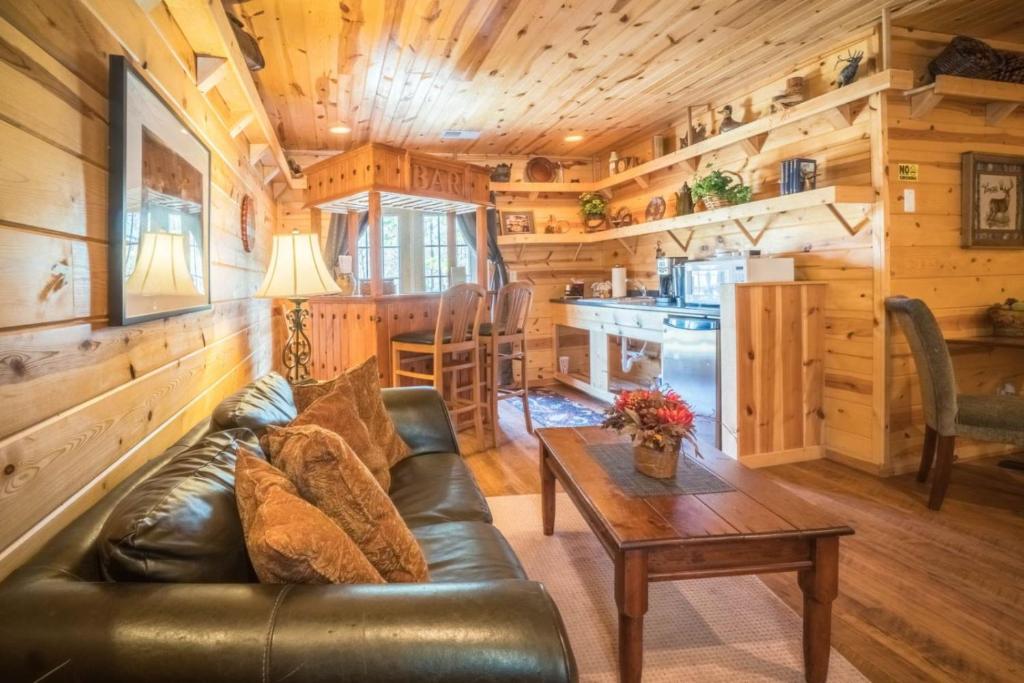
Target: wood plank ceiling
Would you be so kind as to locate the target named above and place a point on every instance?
(526, 73)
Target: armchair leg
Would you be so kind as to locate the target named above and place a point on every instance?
(943, 468)
(927, 454)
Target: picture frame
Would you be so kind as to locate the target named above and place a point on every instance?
(159, 205)
(517, 223)
(992, 201)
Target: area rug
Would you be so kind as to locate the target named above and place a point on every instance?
(550, 409)
(726, 629)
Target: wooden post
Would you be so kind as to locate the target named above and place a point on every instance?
(885, 41)
(481, 247)
(315, 221)
(353, 243)
(374, 228)
(451, 244)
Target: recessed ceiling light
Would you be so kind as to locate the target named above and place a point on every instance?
(340, 129)
(575, 137)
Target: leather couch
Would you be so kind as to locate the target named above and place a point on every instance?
(62, 618)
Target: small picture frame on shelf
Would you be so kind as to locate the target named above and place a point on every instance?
(992, 212)
(798, 175)
(517, 222)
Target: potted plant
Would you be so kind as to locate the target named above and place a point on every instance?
(657, 422)
(593, 206)
(1007, 318)
(719, 188)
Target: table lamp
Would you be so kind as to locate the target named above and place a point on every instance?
(297, 271)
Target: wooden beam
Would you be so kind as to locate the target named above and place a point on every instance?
(278, 189)
(352, 226)
(481, 247)
(241, 123)
(316, 224)
(269, 173)
(210, 71)
(148, 5)
(256, 151)
(451, 243)
(374, 228)
(995, 112)
(885, 40)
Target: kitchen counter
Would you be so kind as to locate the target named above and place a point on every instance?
(668, 309)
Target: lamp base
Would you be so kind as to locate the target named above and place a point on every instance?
(297, 349)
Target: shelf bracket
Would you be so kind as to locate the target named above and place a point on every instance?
(995, 112)
(922, 103)
(752, 145)
(753, 240)
(241, 123)
(641, 181)
(853, 230)
(269, 173)
(840, 117)
(577, 254)
(533, 195)
(682, 245)
(606, 192)
(210, 70)
(631, 250)
(519, 254)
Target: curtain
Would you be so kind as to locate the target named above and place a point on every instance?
(467, 225)
(337, 240)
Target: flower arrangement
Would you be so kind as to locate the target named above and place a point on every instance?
(593, 204)
(656, 419)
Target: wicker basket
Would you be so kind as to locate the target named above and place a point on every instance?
(657, 463)
(967, 57)
(713, 201)
(1006, 323)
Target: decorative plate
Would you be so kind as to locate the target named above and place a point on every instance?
(541, 170)
(655, 209)
(248, 224)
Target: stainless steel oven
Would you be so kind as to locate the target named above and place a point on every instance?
(690, 366)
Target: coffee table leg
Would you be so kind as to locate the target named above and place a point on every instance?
(820, 585)
(631, 597)
(547, 493)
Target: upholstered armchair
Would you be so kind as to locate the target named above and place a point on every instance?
(947, 413)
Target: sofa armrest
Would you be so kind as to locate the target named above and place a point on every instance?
(422, 419)
(112, 632)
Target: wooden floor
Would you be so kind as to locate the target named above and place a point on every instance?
(924, 596)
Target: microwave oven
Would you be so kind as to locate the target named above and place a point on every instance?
(703, 280)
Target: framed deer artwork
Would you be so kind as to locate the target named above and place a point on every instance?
(992, 200)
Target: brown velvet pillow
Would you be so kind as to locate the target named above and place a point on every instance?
(337, 412)
(306, 394)
(329, 475)
(289, 540)
(364, 380)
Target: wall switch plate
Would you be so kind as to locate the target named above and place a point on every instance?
(909, 201)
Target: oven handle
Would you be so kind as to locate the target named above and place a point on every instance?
(681, 322)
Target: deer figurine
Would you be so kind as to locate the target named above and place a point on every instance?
(849, 73)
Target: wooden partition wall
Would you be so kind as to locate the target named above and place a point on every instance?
(84, 404)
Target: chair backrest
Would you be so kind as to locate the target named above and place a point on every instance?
(931, 356)
(513, 308)
(461, 309)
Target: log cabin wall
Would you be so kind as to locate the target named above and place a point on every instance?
(926, 260)
(84, 404)
(822, 248)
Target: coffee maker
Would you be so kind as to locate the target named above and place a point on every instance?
(667, 290)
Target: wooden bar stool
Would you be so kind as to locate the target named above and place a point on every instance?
(453, 347)
(507, 329)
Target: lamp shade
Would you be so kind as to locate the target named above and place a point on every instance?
(297, 270)
(162, 267)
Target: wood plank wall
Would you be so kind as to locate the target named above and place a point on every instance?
(823, 250)
(84, 404)
(926, 259)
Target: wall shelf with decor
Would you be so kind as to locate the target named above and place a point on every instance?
(1000, 99)
(834, 104)
(833, 199)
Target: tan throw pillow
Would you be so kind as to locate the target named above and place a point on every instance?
(364, 380)
(329, 475)
(337, 412)
(305, 394)
(289, 540)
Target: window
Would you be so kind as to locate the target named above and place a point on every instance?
(435, 252)
(465, 255)
(390, 257)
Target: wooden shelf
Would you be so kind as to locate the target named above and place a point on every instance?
(1001, 99)
(831, 198)
(834, 104)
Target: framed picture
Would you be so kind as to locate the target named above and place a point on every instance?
(992, 196)
(159, 213)
(516, 222)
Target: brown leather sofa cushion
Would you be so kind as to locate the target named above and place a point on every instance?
(328, 474)
(267, 401)
(181, 524)
(363, 384)
(337, 412)
(289, 540)
(467, 551)
(435, 488)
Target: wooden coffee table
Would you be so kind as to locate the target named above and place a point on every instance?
(754, 528)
